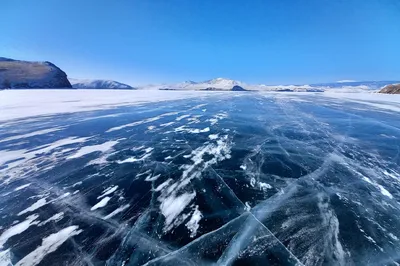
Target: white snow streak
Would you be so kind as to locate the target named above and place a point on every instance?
(116, 211)
(22, 187)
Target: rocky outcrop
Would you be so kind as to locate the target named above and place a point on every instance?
(237, 88)
(391, 89)
(16, 74)
(99, 84)
(211, 89)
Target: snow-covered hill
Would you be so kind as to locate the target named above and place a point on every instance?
(220, 84)
(16, 74)
(98, 84)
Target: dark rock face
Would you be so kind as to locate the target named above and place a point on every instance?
(15, 74)
(237, 88)
(284, 90)
(391, 89)
(211, 89)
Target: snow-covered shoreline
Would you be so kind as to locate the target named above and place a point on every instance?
(18, 104)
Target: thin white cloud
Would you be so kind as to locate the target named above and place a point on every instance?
(346, 80)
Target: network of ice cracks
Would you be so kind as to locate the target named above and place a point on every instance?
(264, 179)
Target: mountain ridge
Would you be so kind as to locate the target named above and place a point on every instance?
(98, 84)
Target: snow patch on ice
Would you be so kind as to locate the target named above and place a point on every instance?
(265, 186)
(141, 122)
(385, 192)
(213, 136)
(392, 175)
(5, 258)
(193, 223)
(77, 184)
(93, 148)
(34, 206)
(171, 207)
(167, 124)
(101, 203)
(247, 206)
(175, 197)
(56, 218)
(163, 185)
(22, 156)
(108, 191)
(217, 117)
(59, 143)
(191, 130)
(18, 229)
(49, 245)
(393, 237)
(213, 121)
(148, 152)
(133, 159)
(31, 134)
(181, 117)
(151, 178)
(116, 211)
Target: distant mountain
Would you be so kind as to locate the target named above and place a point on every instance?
(16, 74)
(98, 84)
(371, 85)
(391, 89)
(222, 84)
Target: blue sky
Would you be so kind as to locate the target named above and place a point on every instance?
(153, 41)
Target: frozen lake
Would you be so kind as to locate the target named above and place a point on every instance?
(200, 179)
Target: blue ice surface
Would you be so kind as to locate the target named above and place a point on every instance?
(235, 179)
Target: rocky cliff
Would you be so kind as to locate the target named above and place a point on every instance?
(391, 89)
(16, 74)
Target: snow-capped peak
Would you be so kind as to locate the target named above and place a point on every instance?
(223, 82)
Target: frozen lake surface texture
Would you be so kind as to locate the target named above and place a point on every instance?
(199, 178)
